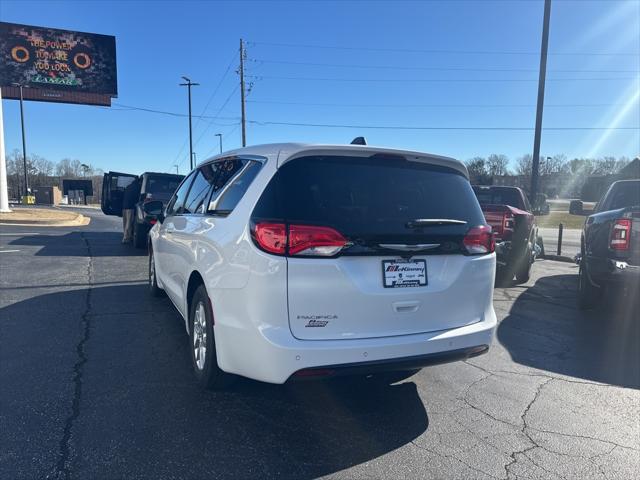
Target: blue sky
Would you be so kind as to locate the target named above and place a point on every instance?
(409, 64)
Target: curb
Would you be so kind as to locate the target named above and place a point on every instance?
(79, 220)
(558, 258)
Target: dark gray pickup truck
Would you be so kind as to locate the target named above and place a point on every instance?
(610, 251)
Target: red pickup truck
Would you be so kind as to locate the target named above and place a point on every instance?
(508, 212)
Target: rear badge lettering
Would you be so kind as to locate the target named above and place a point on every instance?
(317, 320)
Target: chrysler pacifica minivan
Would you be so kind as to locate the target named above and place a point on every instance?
(293, 261)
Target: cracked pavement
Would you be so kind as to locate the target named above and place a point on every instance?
(95, 382)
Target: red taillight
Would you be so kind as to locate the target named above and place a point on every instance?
(508, 222)
(301, 240)
(153, 221)
(479, 240)
(271, 237)
(620, 234)
(311, 240)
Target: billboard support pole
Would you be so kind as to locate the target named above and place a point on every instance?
(4, 191)
(24, 146)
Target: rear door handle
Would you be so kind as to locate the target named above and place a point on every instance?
(406, 307)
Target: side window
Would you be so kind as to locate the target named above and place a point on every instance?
(229, 196)
(199, 191)
(176, 203)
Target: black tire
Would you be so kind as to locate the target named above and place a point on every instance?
(523, 270)
(139, 235)
(589, 295)
(204, 361)
(154, 289)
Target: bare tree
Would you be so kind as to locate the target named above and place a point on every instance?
(477, 168)
(524, 165)
(497, 164)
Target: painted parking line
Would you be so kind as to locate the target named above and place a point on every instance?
(19, 234)
(9, 251)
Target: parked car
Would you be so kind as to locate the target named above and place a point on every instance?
(294, 261)
(610, 245)
(153, 186)
(508, 212)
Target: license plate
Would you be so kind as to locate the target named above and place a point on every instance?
(399, 274)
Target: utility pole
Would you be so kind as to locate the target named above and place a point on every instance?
(244, 123)
(220, 136)
(541, 81)
(24, 143)
(177, 172)
(189, 84)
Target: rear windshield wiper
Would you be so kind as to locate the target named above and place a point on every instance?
(431, 222)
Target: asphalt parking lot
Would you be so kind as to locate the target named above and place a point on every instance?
(95, 382)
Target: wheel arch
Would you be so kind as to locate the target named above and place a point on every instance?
(195, 280)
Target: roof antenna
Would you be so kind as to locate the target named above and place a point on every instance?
(358, 141)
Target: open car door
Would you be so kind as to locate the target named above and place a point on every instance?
(113, 185)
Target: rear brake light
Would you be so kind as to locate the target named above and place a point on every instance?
(620, 234)
(301, 240)
(312, 240)
(479, 240)
(271, 237)
(508, 223)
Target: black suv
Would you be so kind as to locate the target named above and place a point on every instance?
(153, 187)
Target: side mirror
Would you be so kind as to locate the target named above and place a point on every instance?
(576, 207)
(153, 210)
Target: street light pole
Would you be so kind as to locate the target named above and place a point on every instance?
(220, 136)
(189, 84)
(24, 142)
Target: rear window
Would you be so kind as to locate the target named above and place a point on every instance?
(624, 194)
(499, 196)
(368, 196)
(162, 184)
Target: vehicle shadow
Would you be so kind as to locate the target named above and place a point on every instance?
(103, 244)
(544, 329)
(141, 414)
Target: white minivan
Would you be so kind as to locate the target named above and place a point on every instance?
(291, 261)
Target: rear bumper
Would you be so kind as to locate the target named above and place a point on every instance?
(604, 271)
(273, 355)
(390, 365)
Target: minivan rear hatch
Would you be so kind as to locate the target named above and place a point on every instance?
(405, 265)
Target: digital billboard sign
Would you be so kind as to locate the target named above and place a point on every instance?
(50, 59)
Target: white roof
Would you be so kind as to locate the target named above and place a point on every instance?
(283, 152)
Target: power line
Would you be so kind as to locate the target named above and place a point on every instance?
(431, 80)
(434, 69)
(172, 114)
(458, 52)
(398, 127)
(435, 105)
